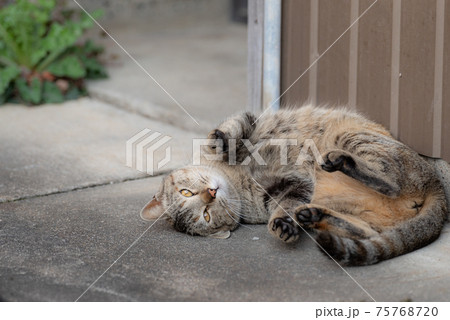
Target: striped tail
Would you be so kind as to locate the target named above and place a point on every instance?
(407, 236)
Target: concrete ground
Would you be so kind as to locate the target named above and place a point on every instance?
(69, 207)
(188, 60)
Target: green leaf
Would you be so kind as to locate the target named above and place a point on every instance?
(94, 70)
(8, 41)
(69, 66)
(47, 4)
(30, 93)
(7, 75)
(23, 25)
(90, 48)
(73, 93)
(7, 94)
(51, 93)
(59, 38)
(33, 40)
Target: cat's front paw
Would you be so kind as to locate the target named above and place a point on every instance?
(220, 141)
(284, 228)
(337, 160)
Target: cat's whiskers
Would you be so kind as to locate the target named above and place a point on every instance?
(238, 200)
(235, 211)
(225, 203)
(200, 176)
(237, 208)
(238, 221)
(197, 173)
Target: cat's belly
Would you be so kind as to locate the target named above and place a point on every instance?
(346, 195)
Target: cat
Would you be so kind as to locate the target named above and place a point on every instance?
(367, 197)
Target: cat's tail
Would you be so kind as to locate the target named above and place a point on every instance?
(409, 235)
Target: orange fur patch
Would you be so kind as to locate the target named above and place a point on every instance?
(346, 195)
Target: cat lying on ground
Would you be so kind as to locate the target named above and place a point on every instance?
(367, 198)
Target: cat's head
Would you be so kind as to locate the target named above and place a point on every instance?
(196, 200)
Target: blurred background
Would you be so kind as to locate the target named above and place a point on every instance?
(195, 49)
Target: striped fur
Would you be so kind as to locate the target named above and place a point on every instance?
(404, 237)
(371, 198)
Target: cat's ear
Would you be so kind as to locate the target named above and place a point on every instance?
(152, 210)
(221, 234)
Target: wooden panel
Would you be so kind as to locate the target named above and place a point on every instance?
(353, 54)
(295, 51)
(438, 77)
(395, 65)
(402, 68)
(374, 61)
(417, 74)
(445, 140)
(333, 67)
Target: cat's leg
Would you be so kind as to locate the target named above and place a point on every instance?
(369, 158)
(282, 197)
(287, 225)
(321, 218)
(237, 128)
(345, 238)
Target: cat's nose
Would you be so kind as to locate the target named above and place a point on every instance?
(212, 192)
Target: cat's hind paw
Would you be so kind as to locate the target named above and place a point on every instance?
(284, 228)
(308, 216)
(336, 160)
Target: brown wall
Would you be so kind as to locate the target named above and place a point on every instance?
(392, 65)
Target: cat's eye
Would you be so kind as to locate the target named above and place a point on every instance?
(206, 215)
(186, 193)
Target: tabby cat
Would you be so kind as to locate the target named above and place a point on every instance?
(368, 197)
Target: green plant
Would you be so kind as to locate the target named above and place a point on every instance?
(40, 60)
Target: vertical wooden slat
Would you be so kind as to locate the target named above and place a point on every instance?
(255, 54)
(395, 67)
(445, 140)
(333, 67)
(313, 50)
(438, 78)
(374, 61)
(353, 56)
(416, 91)
(295, 51)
